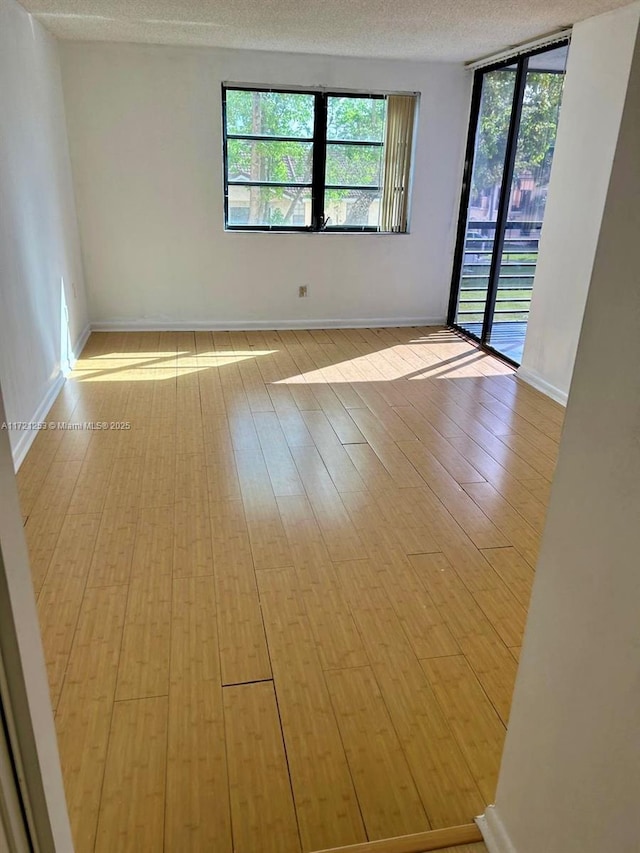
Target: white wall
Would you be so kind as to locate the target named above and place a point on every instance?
(594, 91)
(146, 148)
(570, 776)
(41, 269)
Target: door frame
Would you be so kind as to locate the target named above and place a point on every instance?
(521, 60)
(32, 779)
(15, 835)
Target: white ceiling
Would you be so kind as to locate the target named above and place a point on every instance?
(452, 30)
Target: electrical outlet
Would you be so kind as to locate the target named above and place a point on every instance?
(302, 290)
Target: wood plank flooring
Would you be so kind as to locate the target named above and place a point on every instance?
(282, 609)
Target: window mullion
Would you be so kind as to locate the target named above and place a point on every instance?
(225, 156)
(319, 160)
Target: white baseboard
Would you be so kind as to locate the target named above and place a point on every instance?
(83, 337)
(495, 835)
(263, 325)
(27, 436)
(536, 381)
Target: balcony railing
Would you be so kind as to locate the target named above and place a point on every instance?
(517, 269)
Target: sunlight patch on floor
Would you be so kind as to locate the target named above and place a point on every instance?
(145, 367)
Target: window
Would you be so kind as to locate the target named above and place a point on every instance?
(316, 161)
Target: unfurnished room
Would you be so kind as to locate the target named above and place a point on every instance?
(319, 426)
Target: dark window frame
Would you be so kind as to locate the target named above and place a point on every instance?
(319, 141)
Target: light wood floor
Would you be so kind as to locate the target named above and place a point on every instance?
(283, 611)
(466, 848)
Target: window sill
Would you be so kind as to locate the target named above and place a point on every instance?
(304, 233)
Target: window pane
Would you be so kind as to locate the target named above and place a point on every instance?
(284, 162)
(288, 206)
(527, 199)
(354, 208)
(269, 113)
(358, 119)
(354, 165)
(486, 183)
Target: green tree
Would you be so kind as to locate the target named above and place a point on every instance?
(362, 120)
(538, 124)
(268, 114)
(536, 136)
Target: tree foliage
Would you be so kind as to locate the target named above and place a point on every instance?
(538, 124)
(536, 137)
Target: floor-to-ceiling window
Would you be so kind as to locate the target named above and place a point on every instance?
(512, 134)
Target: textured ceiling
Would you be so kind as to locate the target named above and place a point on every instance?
(400, 29)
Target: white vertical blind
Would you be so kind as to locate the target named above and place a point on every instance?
(394, 209)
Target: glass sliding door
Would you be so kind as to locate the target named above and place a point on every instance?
(495, 93)
(512, 137)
